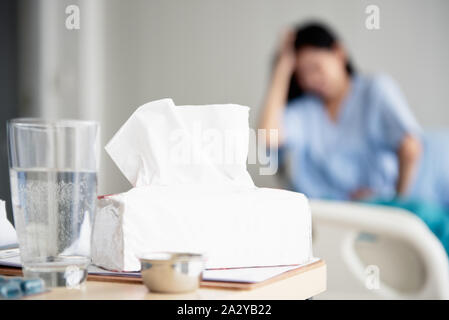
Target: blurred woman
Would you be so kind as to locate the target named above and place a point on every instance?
(348, 135)
(352, 136)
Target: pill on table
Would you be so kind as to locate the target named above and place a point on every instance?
(32, 286)
(10, 290)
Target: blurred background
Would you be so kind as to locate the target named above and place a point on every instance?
(127, 53)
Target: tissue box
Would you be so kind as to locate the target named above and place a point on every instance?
(192, 193)
(234, 228)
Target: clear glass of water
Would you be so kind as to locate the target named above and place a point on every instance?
(53, 175)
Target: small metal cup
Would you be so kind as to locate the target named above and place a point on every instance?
(172, 272)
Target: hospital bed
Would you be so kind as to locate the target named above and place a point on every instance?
(377, 252)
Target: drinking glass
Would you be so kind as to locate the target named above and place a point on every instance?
(53, 175)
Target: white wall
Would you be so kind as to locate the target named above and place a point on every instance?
(203, 51)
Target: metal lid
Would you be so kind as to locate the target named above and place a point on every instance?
(164, 257)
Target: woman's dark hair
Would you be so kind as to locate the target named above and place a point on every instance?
(316, 35)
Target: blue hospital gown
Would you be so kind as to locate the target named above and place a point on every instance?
(332, 159)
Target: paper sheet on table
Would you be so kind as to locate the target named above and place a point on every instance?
(249, 275)
(8, 235)
(242, 275)
(11, 258)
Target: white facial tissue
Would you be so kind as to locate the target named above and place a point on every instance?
(8, 235)
(192, 193)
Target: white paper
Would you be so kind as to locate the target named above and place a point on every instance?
(164, 144)
(249, 275)
(246, 275)
(11, 258)
(8, 235)
(9, 253)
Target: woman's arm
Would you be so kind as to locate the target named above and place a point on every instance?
(276, 98)
(408, 152)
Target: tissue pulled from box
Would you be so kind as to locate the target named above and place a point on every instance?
(192, 193)
(164, 144)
